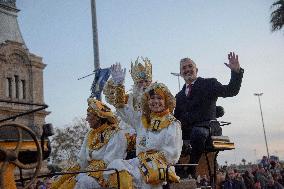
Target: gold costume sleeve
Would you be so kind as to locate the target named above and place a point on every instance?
(120, 96)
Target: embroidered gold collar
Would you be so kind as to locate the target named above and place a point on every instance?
(100, 136)
(158, 121)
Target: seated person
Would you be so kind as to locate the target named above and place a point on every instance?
(196, 103)
(158, 141)
(216, 130)
(104, 142)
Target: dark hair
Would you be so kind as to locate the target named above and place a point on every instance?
(39, 184)
(152, 92)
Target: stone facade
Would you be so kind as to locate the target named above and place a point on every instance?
(21, 80)
(21, 72)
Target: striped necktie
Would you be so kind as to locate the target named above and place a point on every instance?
(189, 87)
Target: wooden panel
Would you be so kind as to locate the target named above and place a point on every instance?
(26, 145)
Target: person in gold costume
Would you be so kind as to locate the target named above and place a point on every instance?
(103, 143)
(141, 74)
(158, 141)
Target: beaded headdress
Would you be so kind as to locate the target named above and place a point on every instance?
(101, 110)
(139, 71)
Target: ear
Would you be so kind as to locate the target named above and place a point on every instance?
(180, 64)
(196, 70)
(180, 72)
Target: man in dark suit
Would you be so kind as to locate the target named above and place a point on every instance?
(196, 102)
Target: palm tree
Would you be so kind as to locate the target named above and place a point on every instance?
(277, 16)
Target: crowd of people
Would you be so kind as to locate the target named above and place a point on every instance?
(268, 174)
(258, 176)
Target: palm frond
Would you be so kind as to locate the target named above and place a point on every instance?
(277, 16)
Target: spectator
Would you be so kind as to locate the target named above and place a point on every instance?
(254, 169)
(257, 185)
(248, 179)
(260, 176)
(40, 185)
(271, 184)
(231, 182)
(238, 175)
(265, 162)
(281, 178)
(204, 181)
(48, 183)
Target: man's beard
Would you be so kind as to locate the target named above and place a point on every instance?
(189, 78)
(137, 92)
(137, 97)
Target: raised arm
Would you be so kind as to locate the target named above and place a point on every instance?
(233, 64)
(126, 113)
(233, 88)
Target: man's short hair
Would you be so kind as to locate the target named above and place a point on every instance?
(183, 60)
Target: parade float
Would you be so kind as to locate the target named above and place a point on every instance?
(24, 142)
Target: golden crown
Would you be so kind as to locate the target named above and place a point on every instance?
(139, 71)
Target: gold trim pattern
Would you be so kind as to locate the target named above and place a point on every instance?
(99, 137)
(158, 123)
(131, 141)
(109, 92)
(153, 166)
(126, 180)
(120, 96)
(65, 181)
(97, 165)
(101, 110)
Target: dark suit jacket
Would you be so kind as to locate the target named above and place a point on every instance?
(200, 106)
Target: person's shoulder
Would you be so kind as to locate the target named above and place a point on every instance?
(172, 118)
(174, 123)
(179, 94)
(209, 79)
(204, 82)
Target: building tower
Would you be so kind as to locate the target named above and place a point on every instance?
(21, 72)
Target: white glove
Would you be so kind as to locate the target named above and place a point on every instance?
(117, 74)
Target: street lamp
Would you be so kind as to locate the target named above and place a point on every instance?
(258, 95)
(178, 75)
(255, 156)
